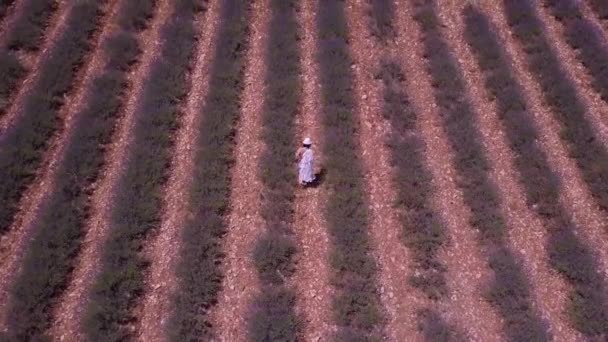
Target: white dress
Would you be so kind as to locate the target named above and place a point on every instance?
(306, 167)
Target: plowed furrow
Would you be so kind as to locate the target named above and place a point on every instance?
(22, 292)
(527, 235)
(207, 223)
(272, 313)
(85, 162)
(399, 297)
(245, 221)
(314, 291)
(161, 284)
(466, 272)
(135, 213)
(572, 250)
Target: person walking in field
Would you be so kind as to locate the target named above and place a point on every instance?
(305, 157)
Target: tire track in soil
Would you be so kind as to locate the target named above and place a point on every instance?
(574, 196)
(314, 293)
(164, 250)
(575, 71)
(399, 298)
(32, 62)
(73, 303)
(14, 244)
(467, 272)
(527, 235)
(245, 223)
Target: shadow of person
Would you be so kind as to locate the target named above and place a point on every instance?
(319, 178)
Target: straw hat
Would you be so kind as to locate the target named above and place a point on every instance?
(307, 141)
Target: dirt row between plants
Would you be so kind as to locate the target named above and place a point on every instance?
(467, 273)
(9, 17)
(314, 292)
(598, 109)
(574, 196)
(401, 301)
(17, 10)
(527, 232)
(6, 8)
(54, 29)
(14, 244)
(244, 222)
(164, 250)
(602, 28)
(592, 14)
(71, 309)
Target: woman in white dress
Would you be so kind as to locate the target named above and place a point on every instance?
(306, 174)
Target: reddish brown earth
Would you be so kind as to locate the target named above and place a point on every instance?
(12, 247)
(602, 27)
(163, 252)
(592, 15)
(70, 311)
(527, 233)
(598, 109)
(467, 271)
(9, 18)
(399, 298)
(574, 194)
(311, 279)
(245, 224)
(33, 61)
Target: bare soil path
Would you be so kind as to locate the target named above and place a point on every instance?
(598, 109)
(33, 62)
(13, 244)
(245, 223)
(314, 292)
(400, 299)
(574, 195)
(164, 251)
(70, 309)
(467, 271)
(527, 233)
